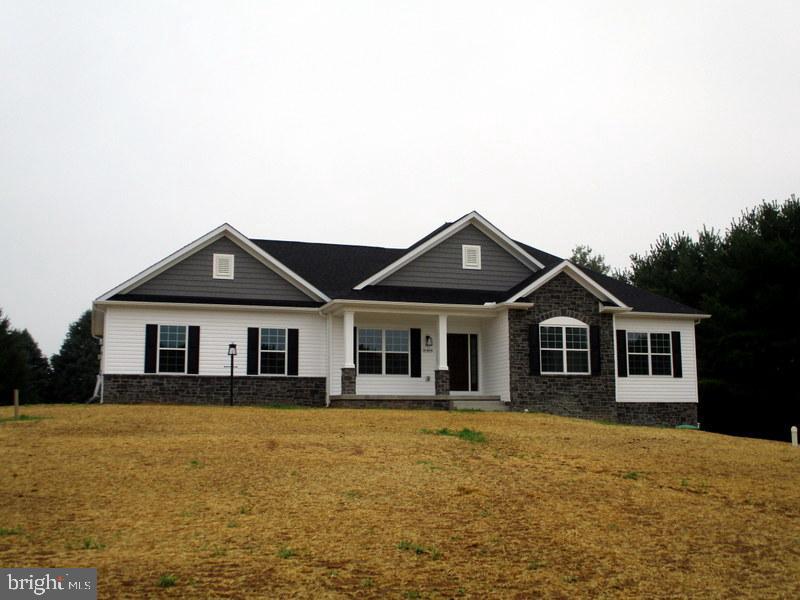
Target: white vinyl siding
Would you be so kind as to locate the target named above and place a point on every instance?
(124, 340)
(495, 353)
(640, 388)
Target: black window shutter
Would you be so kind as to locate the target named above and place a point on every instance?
(622, 353)
(252, 350)
(677, 360)
(594, 344)
(292, 351)
(193, 351)
(150, 348)
(533, 350)
(355, 347)
(415, 348)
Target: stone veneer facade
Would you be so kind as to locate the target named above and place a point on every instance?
(202, 389)
(585, 396)
(348, 380)
(441, 382)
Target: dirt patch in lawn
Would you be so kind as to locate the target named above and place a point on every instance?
(201, 502)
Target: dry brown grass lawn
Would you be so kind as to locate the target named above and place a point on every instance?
(250, 502)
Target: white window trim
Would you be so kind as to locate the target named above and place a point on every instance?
(562, 323)
(649, 353)
(285, 352)
(383, 352)
(465, 248)
(216, 272)
(185, 350)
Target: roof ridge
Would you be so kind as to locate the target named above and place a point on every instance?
(256, 240)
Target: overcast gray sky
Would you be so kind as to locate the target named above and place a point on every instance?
(128, 129)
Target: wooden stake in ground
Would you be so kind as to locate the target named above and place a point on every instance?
(16, 404)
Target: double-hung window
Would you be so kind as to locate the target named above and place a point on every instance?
(273, 351)
(383, 351)
(172, 349)
(649, 353)
(564, 347)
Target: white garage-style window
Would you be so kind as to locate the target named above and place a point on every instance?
(383, 351)
(172, 349)
(564, 346)
(649, 353)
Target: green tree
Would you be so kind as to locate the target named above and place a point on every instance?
(584, 256)
(22, 365)
(77, 364)
(747, 279)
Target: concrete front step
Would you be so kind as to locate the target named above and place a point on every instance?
(478, 404)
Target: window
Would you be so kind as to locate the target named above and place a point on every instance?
(397, 352)
(273, 352)
(564, 346)
(470, 257)
(172, 349)
(649, 353)
(223, 266)
(383, 351)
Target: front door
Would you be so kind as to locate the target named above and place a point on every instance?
(462, 361)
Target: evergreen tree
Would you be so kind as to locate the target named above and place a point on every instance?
(22, 366)
(747, 279)
(584, 256)
(77, 364)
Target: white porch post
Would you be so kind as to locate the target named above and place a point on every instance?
(442, 342)
(349, 359)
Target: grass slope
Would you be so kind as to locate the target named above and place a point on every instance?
(247, 502)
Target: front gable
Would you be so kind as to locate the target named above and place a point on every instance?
(446, 259)
(221, 265)
(442, 266)
(193, 277)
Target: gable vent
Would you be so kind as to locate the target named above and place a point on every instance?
(470, 257)
(223, 266)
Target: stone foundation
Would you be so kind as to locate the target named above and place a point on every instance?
(200, 389)
(668, 414)
(406, 402)
(441, 382)
(348, 380)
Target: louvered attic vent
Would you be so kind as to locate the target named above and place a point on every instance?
(470, 257)
(223, 266)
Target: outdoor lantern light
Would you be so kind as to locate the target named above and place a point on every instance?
(231, 353)
(428, 341)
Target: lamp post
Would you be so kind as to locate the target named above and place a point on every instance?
(232, 354)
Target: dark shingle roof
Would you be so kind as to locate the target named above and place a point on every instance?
(337, 268)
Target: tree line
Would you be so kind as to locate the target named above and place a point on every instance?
(68, 376)
(747, 278)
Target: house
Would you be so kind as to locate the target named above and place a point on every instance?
(466, 316)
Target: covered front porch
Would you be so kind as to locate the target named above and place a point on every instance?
(408, 355)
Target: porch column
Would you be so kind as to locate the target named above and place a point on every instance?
(349, 321)
(349, 368)
(443, 342)
(442, 374)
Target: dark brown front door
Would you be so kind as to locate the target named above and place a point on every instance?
(462, 361)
